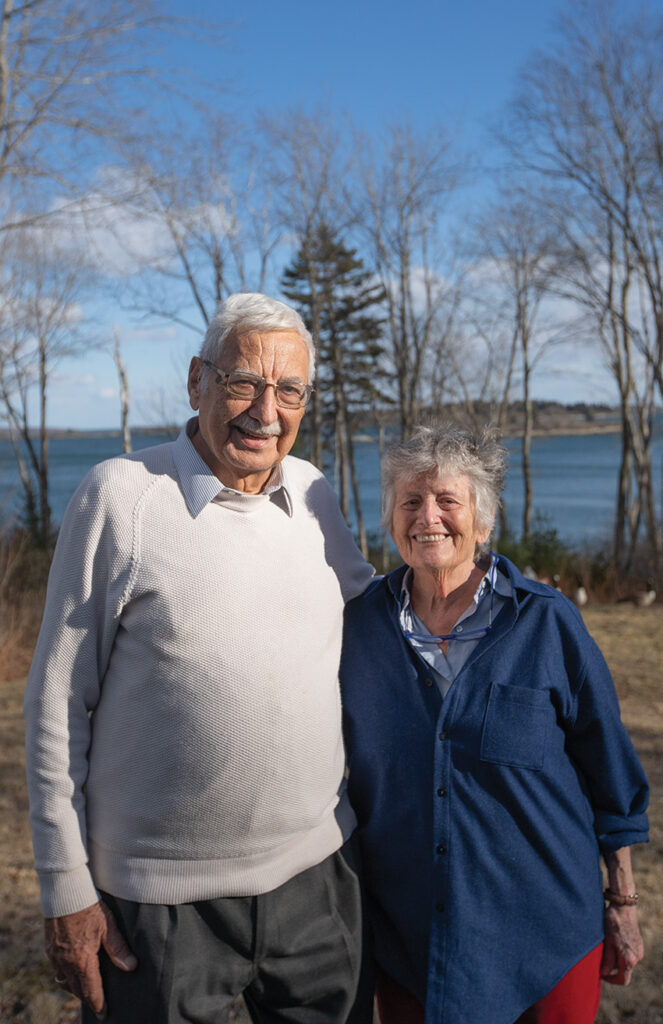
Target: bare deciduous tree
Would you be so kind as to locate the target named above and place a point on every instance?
(587, 122)
(66, 70)
(75, 85)
(399, 214)
(202, 200)
(41, 323)
(520, 255)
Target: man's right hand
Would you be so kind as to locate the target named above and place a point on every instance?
(73, 943)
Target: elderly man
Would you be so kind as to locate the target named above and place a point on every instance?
(185, 761)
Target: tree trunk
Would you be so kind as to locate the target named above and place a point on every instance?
(316, 406)
(341, 474)
(124, 392)
(527, 442)
(384, 551)
(361, 529)
(29, 497)
(44, 505)
(623, 492)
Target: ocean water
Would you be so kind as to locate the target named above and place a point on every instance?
(574, 479)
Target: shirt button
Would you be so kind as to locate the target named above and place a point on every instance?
(441, 792)
(439, 907)
(459, 629)
(443, 735)
(440, 849)
(428, 682)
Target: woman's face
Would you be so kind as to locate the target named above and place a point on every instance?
(433, 524)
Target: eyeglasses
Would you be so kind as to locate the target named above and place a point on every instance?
(290, 394)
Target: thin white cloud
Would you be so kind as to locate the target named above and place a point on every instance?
(163, 332)
(74, 380)
(121, 237)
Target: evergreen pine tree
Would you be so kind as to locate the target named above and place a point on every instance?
(348, 374)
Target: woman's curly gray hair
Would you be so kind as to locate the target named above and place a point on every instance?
(441, 450)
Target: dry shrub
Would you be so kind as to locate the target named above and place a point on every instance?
(18, 633)
(23, 577)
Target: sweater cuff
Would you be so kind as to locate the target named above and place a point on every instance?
(66, 892)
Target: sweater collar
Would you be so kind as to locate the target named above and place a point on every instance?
(200, 486)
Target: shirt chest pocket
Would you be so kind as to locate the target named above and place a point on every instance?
(516, 726)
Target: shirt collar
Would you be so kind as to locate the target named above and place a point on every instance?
(492, 574)
(200, 486)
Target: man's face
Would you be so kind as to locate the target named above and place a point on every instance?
(241, 440)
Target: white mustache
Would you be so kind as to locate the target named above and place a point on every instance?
(252, 426)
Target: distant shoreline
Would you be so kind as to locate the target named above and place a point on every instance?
(60, 433)
(573, 429)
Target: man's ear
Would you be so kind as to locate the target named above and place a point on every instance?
(193, 382)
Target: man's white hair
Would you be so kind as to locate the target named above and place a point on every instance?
(244, 313)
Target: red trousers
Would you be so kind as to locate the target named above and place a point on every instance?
(574, 1000)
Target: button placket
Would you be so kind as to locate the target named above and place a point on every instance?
(440, 867)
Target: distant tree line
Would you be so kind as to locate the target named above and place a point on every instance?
(413, 301)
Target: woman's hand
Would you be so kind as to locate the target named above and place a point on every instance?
(623, 947)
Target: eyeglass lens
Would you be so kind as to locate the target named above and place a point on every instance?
(288, 393)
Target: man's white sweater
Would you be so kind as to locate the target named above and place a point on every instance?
(183, 711)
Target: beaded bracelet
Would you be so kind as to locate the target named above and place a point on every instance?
(620, 899)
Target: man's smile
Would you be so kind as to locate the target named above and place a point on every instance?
(255, 435)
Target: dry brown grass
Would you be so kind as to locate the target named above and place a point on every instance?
(632, 640)
(23, 574)
(19, 627)
(27, 992)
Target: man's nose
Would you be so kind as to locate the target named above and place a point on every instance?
(264, 407)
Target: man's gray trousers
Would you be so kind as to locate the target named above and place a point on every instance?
(293, 953)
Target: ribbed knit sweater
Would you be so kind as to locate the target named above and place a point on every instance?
(182, 709)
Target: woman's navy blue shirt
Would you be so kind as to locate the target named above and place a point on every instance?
(482, 818)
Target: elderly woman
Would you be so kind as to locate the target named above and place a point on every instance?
(489, 768)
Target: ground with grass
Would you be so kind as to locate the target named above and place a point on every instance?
(632, 640)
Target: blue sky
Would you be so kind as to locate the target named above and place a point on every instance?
(443, 60)
(432, 61)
